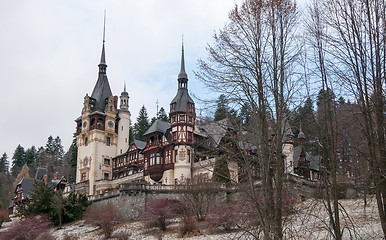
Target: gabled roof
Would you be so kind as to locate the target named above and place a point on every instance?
(313, 160)
(27, 184)
(54, 182)
(140, 144)
(158, 126)
(40, 173)
(217, 130)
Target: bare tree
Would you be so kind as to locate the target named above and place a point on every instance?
(251, 63)
(355, 38)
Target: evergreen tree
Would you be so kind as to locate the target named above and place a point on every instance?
(18, 160)
(162, 115)
(153, 119)
(131, 134)
(142, 124)
(50, 145)
(58, 149)
(74, 157)
(222, 110)
(221, 171)
(31, 156)
(42, 196)
(4, 164)
(245, 114)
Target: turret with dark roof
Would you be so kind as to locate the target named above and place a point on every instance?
(102, 88)
(182, 99)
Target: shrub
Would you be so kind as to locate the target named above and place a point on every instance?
(105, 215)
(223, 216)
(158, 211)
(3, 216)
(74, 207)
(27, 228)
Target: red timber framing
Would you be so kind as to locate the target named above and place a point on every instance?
(158, 156)
(128, 163)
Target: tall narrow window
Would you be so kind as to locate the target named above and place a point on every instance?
(86, 141)
(158, 158)
(175, 156)
(108, 141)
(188, 156)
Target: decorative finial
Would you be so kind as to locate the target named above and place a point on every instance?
(157, 102)
(124, 86)
(104, 26)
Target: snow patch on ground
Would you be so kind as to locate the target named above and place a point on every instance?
(310, 221)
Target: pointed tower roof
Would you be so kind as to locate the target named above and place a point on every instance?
(102, 87)
(301, 134)
(124, 93)
(182, 74)
(182, 99)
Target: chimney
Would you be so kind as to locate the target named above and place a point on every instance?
(56, 175)
(45, 179)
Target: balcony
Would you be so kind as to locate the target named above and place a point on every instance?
(156, 172)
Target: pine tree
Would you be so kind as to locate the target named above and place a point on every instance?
(18, 160)
(31, 156)
(42, 196)
(142, 124)
(58, 149)
(221, 171)
(74, 157)
(50, 145)
(222, 108)
(4, 164)
(162, 115)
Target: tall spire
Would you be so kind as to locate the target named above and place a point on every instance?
(102, 65)
(182, 73)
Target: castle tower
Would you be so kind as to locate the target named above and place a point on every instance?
(97, 134)
(182, 118)
(123, 123)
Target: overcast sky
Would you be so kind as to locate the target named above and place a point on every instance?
(50, 51)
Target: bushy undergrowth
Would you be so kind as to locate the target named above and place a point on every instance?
(159, 211)
(27, 228)
(3, 216)
(105, 215)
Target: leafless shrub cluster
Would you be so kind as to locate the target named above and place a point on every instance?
(104, 215)
(27, 228)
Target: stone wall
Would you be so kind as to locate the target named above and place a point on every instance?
(132, 198)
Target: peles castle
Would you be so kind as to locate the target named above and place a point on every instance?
(172, 153)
